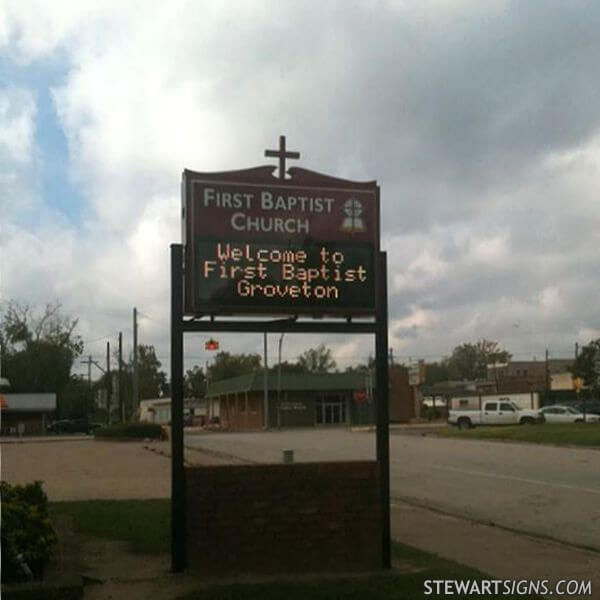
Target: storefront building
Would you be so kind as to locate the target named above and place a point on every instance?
(306, 400)
(26, 414)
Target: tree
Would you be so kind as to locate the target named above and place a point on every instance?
(194, 383)
(287, 368)
(436, 372)
(490, 353)
(362, 367)
(74, 400)
(464, 363)
(151, 379)
(469, 361)
(317, 360)
(587, 365)
(228, 365)
(38, 348)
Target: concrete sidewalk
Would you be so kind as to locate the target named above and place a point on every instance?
(34, 439)
(498, 552)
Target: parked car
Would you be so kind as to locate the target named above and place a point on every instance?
(73, 426)
(495, 412)
(567, 414)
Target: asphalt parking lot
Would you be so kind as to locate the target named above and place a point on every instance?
(543, 490)
(81, 468)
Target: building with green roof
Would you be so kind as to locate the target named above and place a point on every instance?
(295, 400)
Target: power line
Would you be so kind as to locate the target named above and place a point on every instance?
(104, 337)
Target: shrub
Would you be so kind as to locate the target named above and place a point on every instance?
(141, 431)
(26, 530)
(432, 414)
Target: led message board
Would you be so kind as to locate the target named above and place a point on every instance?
(258, 245)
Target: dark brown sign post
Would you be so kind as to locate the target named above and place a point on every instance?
(257, 245)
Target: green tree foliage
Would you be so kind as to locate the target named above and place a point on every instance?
(75, 399)
(151, 380)
(464, 363)
(38, 348)
(228, 365)
(587, 365)
(436, 372)
(287, 368)
(194, 383)
(317, 360)
(469, 361)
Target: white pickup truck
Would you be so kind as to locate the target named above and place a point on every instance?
(495, 413)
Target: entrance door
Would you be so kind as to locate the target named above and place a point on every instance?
(330, 410)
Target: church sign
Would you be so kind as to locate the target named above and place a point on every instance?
(255, 244)
(300, 244)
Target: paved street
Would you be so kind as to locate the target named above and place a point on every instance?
(543, 490)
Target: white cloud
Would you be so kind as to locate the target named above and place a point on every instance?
(489, 250)
(550, 299)
(17, 125)
(485, 147)
(35, 28)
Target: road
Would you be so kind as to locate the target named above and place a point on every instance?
(542, 490)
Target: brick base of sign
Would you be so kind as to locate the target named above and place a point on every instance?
(293, 518)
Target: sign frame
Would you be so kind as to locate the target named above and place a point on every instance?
(208, 322)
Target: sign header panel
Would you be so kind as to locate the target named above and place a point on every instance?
(258, 245)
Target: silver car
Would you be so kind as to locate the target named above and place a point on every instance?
(567, 414)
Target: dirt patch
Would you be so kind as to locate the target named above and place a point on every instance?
(112, 572)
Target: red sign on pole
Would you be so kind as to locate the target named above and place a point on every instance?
(359, 396)
(258, 244)
(211, 345)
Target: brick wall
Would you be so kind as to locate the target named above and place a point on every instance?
(241, 411)
(301, 517)
(402, 401)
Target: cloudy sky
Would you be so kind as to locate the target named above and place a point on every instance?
(480, 121)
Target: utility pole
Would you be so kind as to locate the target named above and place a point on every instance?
(576, 350)
(547, 374)
(209, 403)
(266, 382)
(135, 401)
(89, 362)
(279, 382)
(120, 386)
(108, 383)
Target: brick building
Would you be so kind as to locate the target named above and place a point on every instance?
(531, 375)
(307, 400)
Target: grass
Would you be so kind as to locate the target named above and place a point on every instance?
(576, 434)
(145, 524)
(407, 584)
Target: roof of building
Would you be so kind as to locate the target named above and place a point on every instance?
(166, 401)
(28, 402)
(318, 382)
(555, 365)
